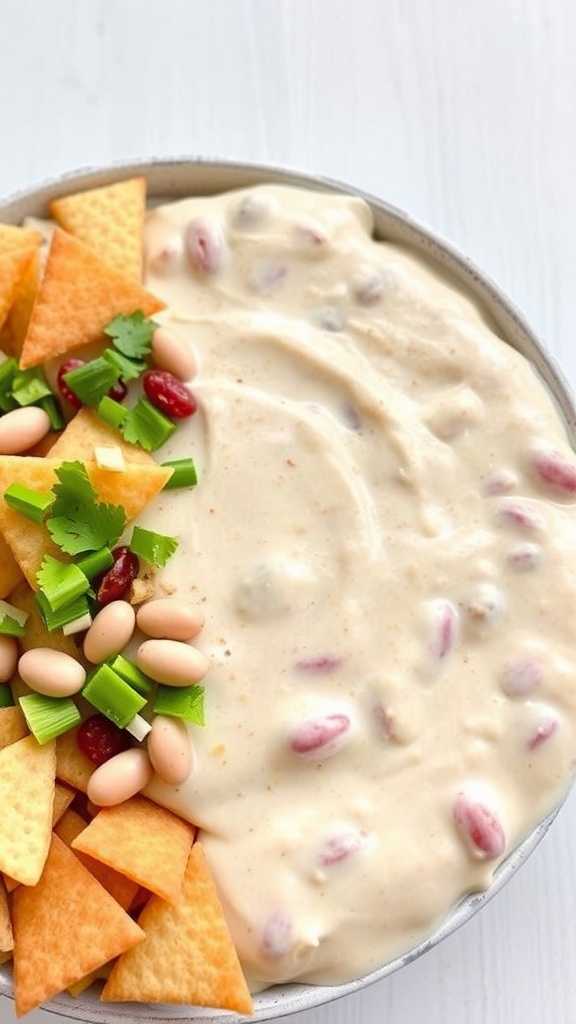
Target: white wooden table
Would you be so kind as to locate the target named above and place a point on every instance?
(460, 111)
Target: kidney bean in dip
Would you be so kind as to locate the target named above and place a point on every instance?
(384, 547)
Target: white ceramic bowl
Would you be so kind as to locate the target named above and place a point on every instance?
(185, 177)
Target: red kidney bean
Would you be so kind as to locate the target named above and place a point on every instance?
(64, 388)
(119, 391)
(277, 934)
(321, 736)
(320, 664)
(521, 678)
(556, 471)
(169, 394)
(99, 739)
(312, 235)
(525, 557)
(114, 584)
(521, 515)
(480, 826)
(545, 729)
(206, 245)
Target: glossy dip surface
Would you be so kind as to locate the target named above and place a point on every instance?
(382, 542)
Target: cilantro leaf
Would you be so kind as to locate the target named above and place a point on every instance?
(132, 335)
(78, 521)
(127, 369)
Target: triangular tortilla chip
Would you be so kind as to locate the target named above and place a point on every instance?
(85, 432)
(29, 542)
(6, 937)
(10, 574)
(72, 766)
(16, 325)
(121, 888)
(188, 955)
(110, 220)
(27, 772)
(13, 726)
(63, 797)
(78, 296)
(13, 268)
(13, 237)
(143, 841)
(64, 928)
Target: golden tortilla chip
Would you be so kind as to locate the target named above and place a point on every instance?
(13, 268)
(110, 220)
(13, 726)
(72, 766)
(85, 432)
(64, 928)
(13, 237)
(100, 974)
(63, 797)
(16, 324)
(10, 574)
(78, 296)
(188, 955)
(27, 772)
(6, 937)
(143, 841)
(121, 888)
(30, 542)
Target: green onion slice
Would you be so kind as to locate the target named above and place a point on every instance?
(95, 562)
(12, 619)
(184, 474)
(112, 696)
(131, 674)
(57, 620)
(92, 381)
(29, 386)
(185, 702)
(147, 426)
(31, 504)
(61, 582)
(52, 409)
(111, 412)
(48, 717)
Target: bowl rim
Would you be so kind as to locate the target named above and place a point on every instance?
(396, 225)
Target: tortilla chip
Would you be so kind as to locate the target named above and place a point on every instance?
(27, 798)
(78, 296)
(188, 955)
(12, 237)
(13, 726)
(64, 928)
(143, 841)
(72, 766)
(6, 937)
(13, 268)
(100, 974)
(63, 797)
(110, 220)
(10, 574)
(15, 327)
(121, 888)
(85, 432)
(30, 542)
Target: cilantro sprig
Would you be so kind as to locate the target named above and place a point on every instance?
(78, 522)
(131, 335)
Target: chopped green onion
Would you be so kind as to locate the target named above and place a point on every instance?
(111, 412)
(57, 620)
(185, 702)
(52, 410)
(28, 503)
(184, 474)
(8, 369)
(127, 369)
(139, 728)
(48, 717)
(29, 386)
(61, 582)
(6, 698)
(156, 548)
(131, 674)
(95, 562)
(92, 381)
(12, 619)
(147, 426)
(112, 696)
(78, 625)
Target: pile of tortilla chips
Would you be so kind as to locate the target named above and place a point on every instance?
(123, 893)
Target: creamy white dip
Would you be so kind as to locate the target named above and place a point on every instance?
(383, 540)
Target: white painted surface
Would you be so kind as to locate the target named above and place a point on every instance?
(460, 111)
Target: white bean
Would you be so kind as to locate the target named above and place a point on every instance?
(120, 778)
(171, 662)
(171, 353)
(170, 618)
(8, 657)
(21, 429)
(170, 749)
(53, 673)
(110, 632)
